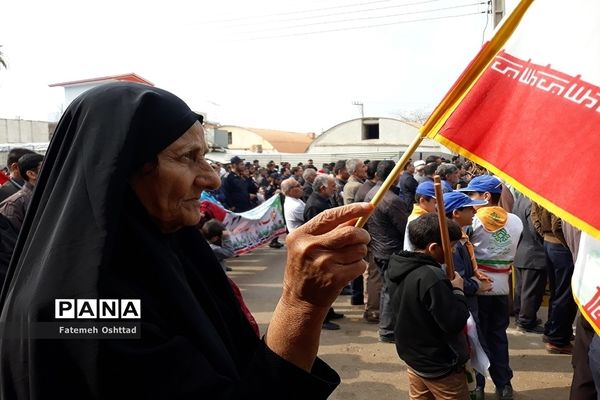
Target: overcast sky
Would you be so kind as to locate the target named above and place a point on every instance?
(289, 65)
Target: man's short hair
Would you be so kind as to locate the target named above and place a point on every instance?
(339, 165)
(212, 228)
(426, 230)
(320, 181)
(15, 154)
(293, 170)
(372, 169)
(432, 159)
(351, 165)
(288, 184)
(309, 173)
(384, 169)
(445, 169)
(29, 162)
(429, 168)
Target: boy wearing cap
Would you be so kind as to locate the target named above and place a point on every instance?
(459, 208)
(431, 314)
(425, 203)
(495, 237)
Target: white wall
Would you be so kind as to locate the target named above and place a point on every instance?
(23, 131)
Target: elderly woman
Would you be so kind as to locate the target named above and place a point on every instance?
(113, 217)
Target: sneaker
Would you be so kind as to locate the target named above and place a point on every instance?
(505, 393)
(535, 329)
(553, 348)
(386, 339)
(228, 269)
(275, 245)
(330, 326)
(371, 317)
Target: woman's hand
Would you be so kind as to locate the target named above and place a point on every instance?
(324, 255)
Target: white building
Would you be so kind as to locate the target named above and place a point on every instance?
(371, 138)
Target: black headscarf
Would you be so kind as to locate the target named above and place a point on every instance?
(87, 236)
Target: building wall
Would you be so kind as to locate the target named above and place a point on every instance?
(71, 92)
(394, 136)
(243, 139)
(23, 131)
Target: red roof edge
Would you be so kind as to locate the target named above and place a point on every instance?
(131, 77)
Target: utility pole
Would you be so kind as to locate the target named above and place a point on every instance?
(362, 108)
(498, 10)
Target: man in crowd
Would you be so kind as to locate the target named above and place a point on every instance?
(15, 206)
(419, 171)
(309, 176)
(297, 174)
(237, 191)
(408, 184)
(562, 310)
(358, 173)
(319, 201)
(530, 265)
(386, 227)
(16, 181)
(293, 206)
(341, 177)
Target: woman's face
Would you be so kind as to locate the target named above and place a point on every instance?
(170, 190)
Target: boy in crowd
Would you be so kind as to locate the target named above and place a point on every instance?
(220, 243)
(431, 314)
(425, 203)
(495, 237)
(459, 208)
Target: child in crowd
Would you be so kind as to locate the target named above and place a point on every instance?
(219, 240)
(495, 237)
(425, 203)
(459, 208)
(431, 314)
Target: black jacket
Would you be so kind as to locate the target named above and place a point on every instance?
(387, 224)
(430, 315)
(315, 204)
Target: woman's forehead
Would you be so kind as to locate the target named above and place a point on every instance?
(192, 138)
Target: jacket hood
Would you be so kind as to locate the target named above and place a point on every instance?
(403, 263)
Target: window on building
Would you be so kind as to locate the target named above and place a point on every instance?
(370, 129)
(229, 138)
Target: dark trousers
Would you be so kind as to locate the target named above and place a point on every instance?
(582, 386)
(529, 293)
(594, 356)
(374, 284)
(562, 308)
(357, 288)
(493, 321)
(387, 319)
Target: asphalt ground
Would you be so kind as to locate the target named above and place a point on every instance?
(372, 370)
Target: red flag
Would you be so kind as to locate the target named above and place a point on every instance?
(528, 109)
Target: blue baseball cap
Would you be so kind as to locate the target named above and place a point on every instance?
(455, 200)
(426, 189)
(484, 183)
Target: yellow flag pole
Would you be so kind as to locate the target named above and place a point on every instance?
(392, 176)
(447, 106)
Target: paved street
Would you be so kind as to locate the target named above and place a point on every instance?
(372, 370)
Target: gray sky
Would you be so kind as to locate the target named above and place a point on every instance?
(261, 63)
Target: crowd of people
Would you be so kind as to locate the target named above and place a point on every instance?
(497, 228)
(115, 212)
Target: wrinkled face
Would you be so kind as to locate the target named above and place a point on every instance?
(170, 190)
(453, 178)
(329, 190)
(361, 170)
